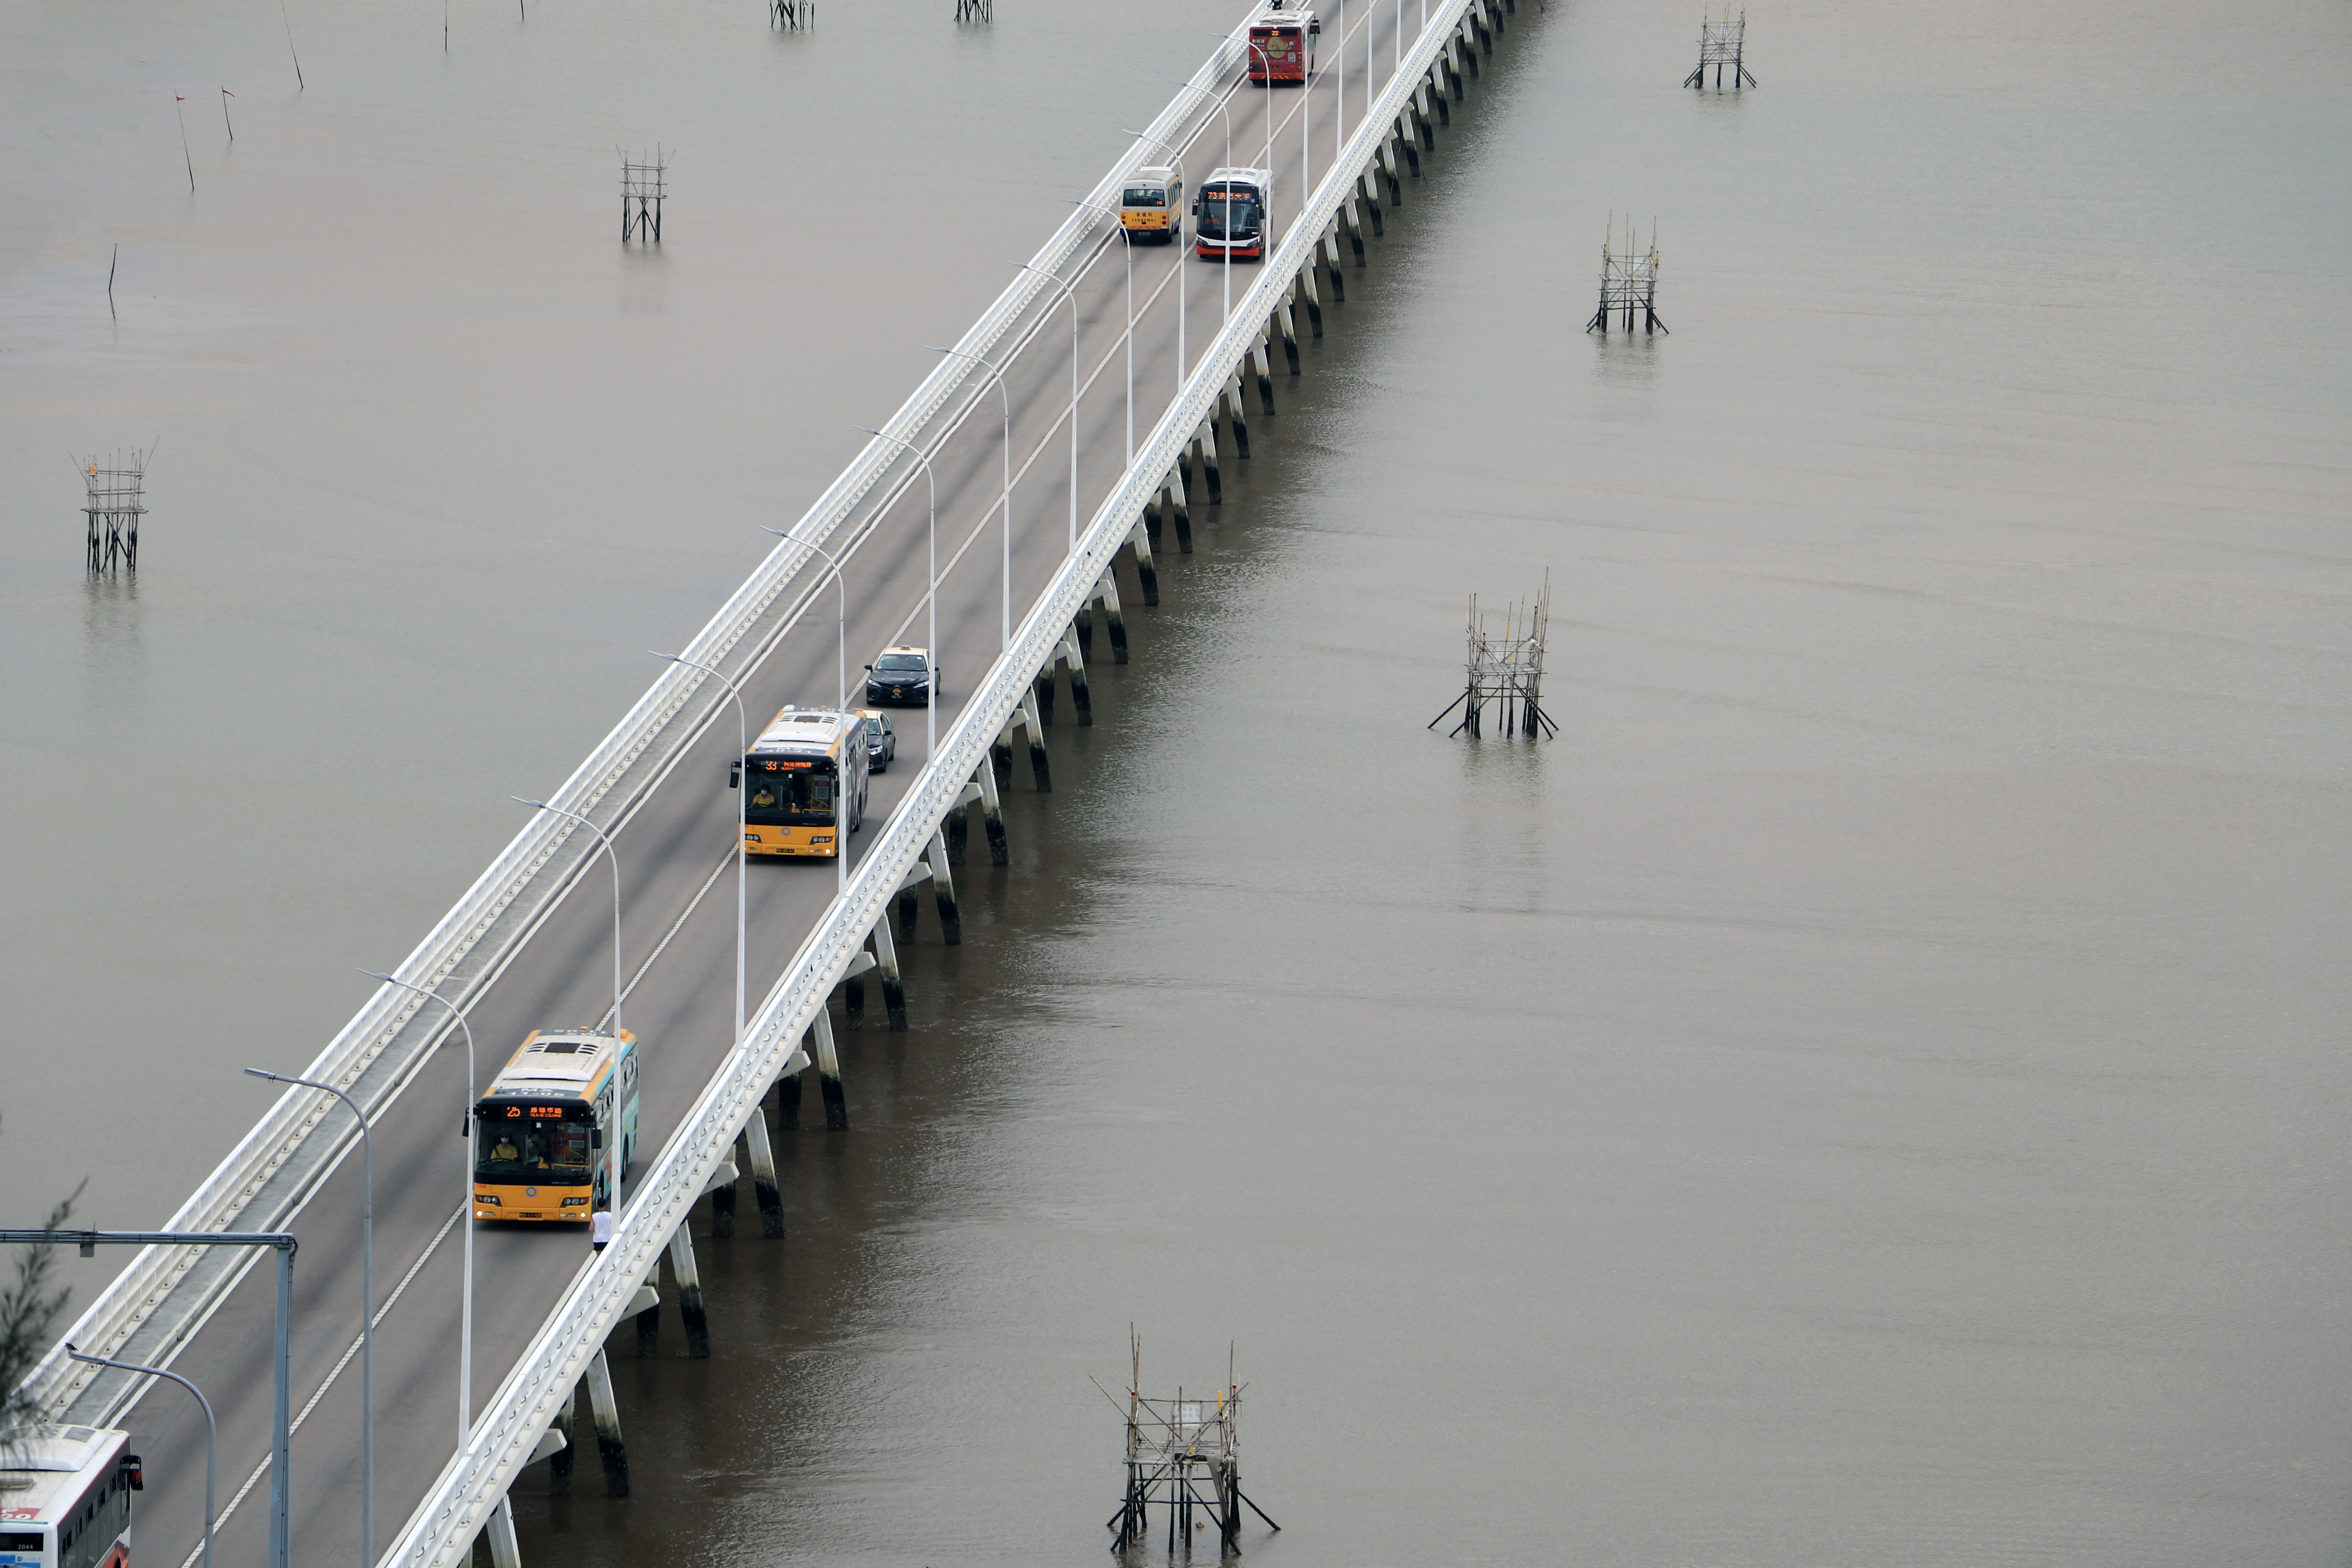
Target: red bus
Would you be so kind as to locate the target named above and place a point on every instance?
(1282, 45)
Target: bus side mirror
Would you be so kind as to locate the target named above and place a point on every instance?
(734, 774)
(1314, 29)
(466, 1125)
(133, 1472)
(596, 1138)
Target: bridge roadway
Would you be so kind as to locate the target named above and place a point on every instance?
(677, 933)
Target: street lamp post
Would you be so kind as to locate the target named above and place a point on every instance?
(1070, 294)
(743, 792)
(212, 1427)
(1127, 243)
(466, 1131)
(930, 601)
(1178, 219)
(367, 1315)
(1004, 630)
(1227, 225)
(612, 856)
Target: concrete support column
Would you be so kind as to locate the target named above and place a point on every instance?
(1389, 167)
(1305, 289)
(1152, 518)
(1236, 418)
(828, 1076)
(1439, 93)
(1040, 769)
(1180, 513)
(1408, 137)
(1113, 621)
(943, 880)
(1371, 185)
(1331, 263)
(559, 1463)
(504, 1552)
(1288, 326)
(763, 1170)
(958, 823)
(1043, 687)
(1000, 755)
(1081, 699)
(689, 1294)
(894, 986)
(1147, 573)
(605, 1411)
(1265, 370)
(991, 808)
(649, 1321)
(1354, 221)
(910, 899)
(1204, 442)
(722, 1206)
(788, 1102)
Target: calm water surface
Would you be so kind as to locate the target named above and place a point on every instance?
(1871, 1091)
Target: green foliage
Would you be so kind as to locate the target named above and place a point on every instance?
(28, 1310)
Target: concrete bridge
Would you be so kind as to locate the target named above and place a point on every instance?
(1025, 595)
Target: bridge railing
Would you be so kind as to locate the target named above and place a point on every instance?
(442, 1530)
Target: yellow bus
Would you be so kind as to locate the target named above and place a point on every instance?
(806, 772)
(559, 1121)
(1151, 205)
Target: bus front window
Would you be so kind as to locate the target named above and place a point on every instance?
(1143, 196)
(789, 799)
(518, 1150)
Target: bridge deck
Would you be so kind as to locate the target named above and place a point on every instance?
(676, 838)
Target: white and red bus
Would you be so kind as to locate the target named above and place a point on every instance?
(1282, 45)
(65, 1497)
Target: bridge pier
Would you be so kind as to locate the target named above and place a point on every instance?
(1147, 573)
(1179, 512)
(1354, 226)
(1282, 318)
(1236, 416)
(1204, 444)
(1072, 661)
(1306, 287)
(1437, 94)
(894, 986)
(689, 1293)
(722, 1206)
(991, 808)
(1372, 202)
(504, 1552)
(763, 1170)
(559, 1463)
(1327, 254)
(909, 900)
(1114, 621)
(943, 881)
(1408, 140)
(606, 1412)
(1040, 769)
(650, 1320)
(1387, 166)
(1265, 371)
(828, 1077)
(788, 1102)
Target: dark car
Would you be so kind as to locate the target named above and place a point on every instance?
(901, 677)
(881, 740)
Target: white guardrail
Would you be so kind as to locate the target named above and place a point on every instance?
(165, 1294)
(441, 1533)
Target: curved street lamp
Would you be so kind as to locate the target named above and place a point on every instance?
(1069, 293)
(367, 1299)
(930, 601)
(212, 1427)
(465, 1131)
(1004, 632)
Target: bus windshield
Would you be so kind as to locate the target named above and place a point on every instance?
(554, 1153)
(789, 796)
(1144, 196)
(1246, 213)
